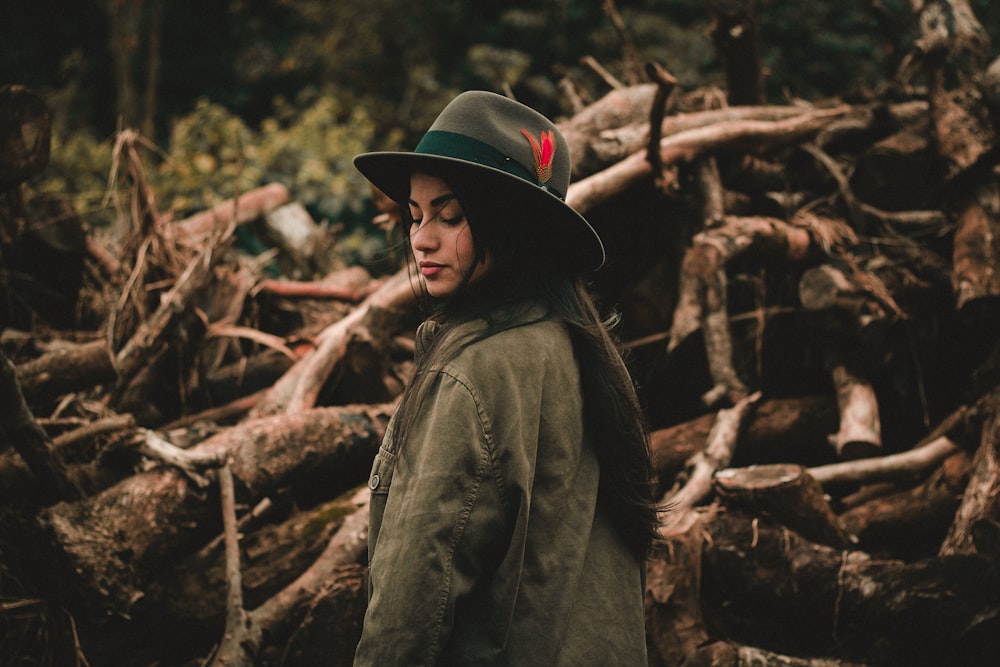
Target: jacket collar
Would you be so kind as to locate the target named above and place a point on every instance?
(429, 330)
(426, 333)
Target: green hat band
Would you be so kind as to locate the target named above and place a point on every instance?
(462, 147)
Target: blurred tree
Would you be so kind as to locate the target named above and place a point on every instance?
(372, 75)
(135, 25)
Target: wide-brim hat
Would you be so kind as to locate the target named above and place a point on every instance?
(514, 156)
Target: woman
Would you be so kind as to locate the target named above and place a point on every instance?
(511, 507)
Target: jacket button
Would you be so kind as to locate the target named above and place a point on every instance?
(373, 482)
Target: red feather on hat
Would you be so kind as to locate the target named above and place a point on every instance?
(544, 153)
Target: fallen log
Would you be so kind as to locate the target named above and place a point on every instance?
(909, 523)
(717, 453)
(299, 387)
(981, 500)
(587, 193)
(786, 493)
(976, 254)
(702, 301)
(826, 601)
(612, 143)
(241, 210)
(109, 545)
(892, 466)
(331, 628)
(617, 108)
(65, 370)
(278, 547)
(675, 627)
(778, 430)
(19, 428)
(860, 433)
(729, 654)
(349, 546)
(287, 543)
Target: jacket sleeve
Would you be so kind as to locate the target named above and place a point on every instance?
(444, 525)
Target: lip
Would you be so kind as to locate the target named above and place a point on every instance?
(428, 269)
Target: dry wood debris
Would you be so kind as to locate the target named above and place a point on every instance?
(810, 304)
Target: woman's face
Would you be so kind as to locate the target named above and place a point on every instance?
(440, 237)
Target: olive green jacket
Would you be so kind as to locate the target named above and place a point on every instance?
(486, 543)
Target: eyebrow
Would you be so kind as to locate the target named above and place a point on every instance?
(438, 201)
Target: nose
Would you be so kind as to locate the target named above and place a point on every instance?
(423, 238)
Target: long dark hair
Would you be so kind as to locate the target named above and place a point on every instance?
(526, 269)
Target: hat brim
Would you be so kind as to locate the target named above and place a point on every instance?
(390, 172)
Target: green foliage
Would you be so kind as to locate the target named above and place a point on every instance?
(818, 49)
(504, 66)
(78, 170)
(311, 151)
(307, 145)
(259, 91)
(213, 154)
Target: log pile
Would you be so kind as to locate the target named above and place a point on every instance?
(810, 304)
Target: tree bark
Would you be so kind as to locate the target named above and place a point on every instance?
(25, 135)
(977, 247)
(734, 33)
(298, 388)
(787, 493)
(717, 453)
(822, 600)
(65, 370)
(589, 192)
(981, 500)
(860, 433)
(115, 541)
(18, 427)
(910, 523)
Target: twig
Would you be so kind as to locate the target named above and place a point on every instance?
(99, 427)
(191, 464)
(293, 288)
(130, 358)
(665, 84)
(348, 546)
(18, 425)
(631, 61)
(299, 387)
(265, 339)
(608, 77)
(259, 510)
(892, 466)
(233, 650)
(718, 451)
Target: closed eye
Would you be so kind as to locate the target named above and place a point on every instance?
(438, 205)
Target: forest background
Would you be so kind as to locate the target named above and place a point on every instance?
(233, 94)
